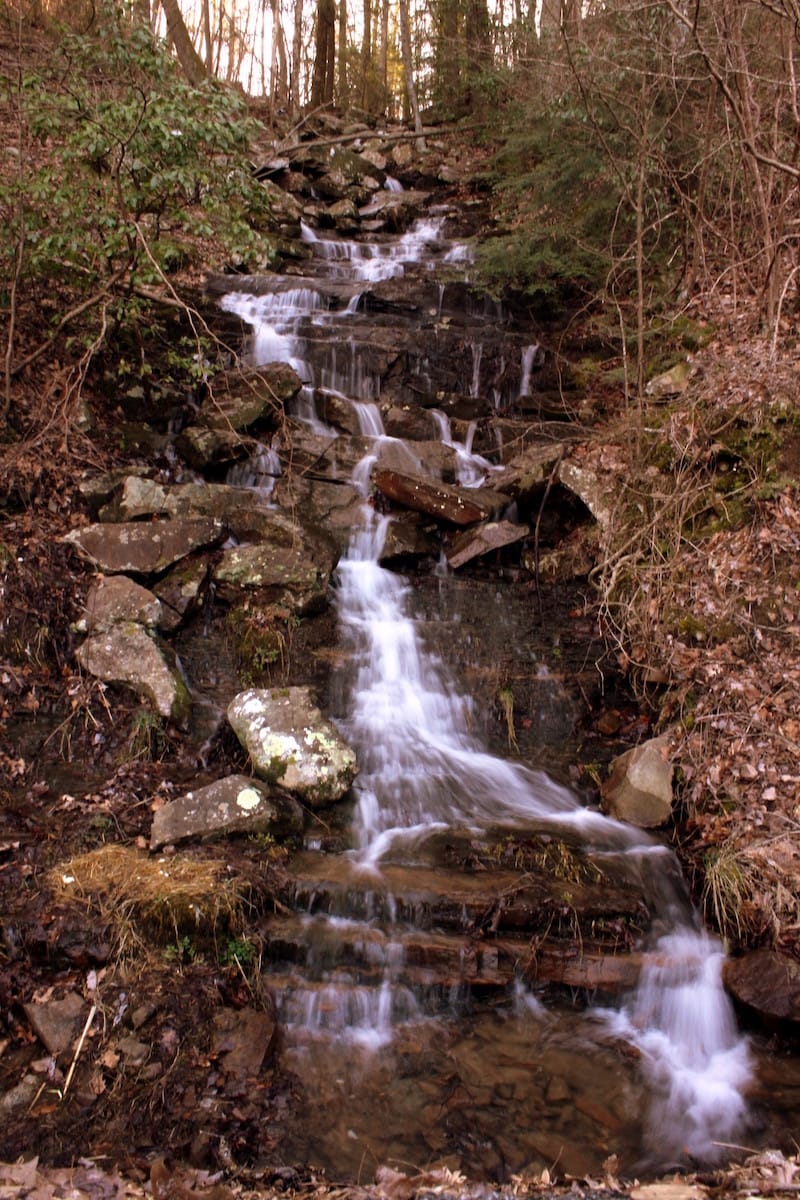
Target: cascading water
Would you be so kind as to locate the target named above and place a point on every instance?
(422, 772)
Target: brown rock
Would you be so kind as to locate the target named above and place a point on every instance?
(55, 1022)
(143, 548)
(242, 1040)
(475, 542)
(639, 787)
(459, 506)
(766, 981)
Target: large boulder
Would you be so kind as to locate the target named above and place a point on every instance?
(292, 745)
(639, 786)
(126, 654)
(144, 549)
(287, 563)
(236, 804)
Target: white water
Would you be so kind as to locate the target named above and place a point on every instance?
(529, 355)
(422, 770)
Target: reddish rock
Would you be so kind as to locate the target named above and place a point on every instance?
(459, 506)
(475, 542)
(766, 981)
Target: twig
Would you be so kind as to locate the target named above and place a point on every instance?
(78, 1048)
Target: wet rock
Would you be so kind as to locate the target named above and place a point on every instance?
(55, 1022)
(639, 786)
(394, 210)
(127, 655)
(143, 549)
(766, 981)
(236, 804)
(475, 542)
(291, 744)
(430, 457)
(459, 506)
(115, 598)
(408, 537)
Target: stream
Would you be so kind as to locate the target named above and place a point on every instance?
(409, 1041)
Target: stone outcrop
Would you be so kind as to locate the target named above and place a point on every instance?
(292, 745)
(639, 786)
(767, 982)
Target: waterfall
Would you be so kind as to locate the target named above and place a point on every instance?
(423, 770)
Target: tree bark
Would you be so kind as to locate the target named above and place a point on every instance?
(297, 49)
(177, 33)
(408, 68)
(324, 54)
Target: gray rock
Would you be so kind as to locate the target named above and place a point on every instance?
(236, 804)
(596, 493)
(205, 447)
(126, 654)
(241, 400)
(55, 1022)
(181, 591)
(290, 565)
(135, 497)
(670, 383)
(115, 598)
(639, 786)
(291, 744)
(527, 470)
(143, 549)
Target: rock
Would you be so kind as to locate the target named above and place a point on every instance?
(282, 574)
(597, 494)
(241, 400)
(343, 215)
(236, 804)
(291, 744)
(98, 489)
(243, 1039)
(573, 558)
(460, 506)
(670, 383)
(528, 469)
(205, 447)
(481, 540)
(115, 598)
(55, 1022)
(401, 154)
(135, 497)
(639, 786)
(181, 591)
(21, 1096)
(144, 549)
(766, 981)
(420, 457)
(126, 654)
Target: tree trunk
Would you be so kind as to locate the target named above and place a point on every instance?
(344, 85)
(177, 33)
(324, 54)
(297, 49)
(408, 68)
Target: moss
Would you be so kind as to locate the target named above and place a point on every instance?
(260, 641)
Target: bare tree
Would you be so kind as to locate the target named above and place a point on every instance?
(324, 54)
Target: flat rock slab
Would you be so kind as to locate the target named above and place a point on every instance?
(144, 549)
(236, 804)
(481, 540)
(126, 654)
(527, 470)
(459, 506)
(55, 1022)
(292, 745)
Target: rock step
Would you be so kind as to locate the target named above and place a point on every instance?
(424, 959)
(487, 901)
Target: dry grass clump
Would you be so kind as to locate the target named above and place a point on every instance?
(148, 900)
